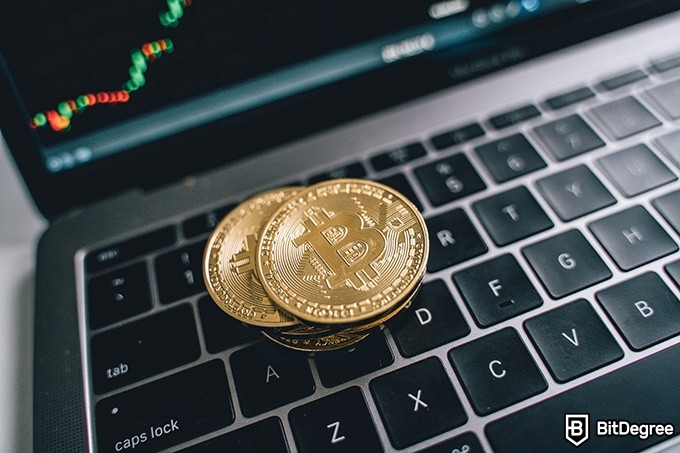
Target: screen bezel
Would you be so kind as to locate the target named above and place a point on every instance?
(165, 161)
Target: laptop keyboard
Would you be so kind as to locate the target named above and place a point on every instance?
(502, 317)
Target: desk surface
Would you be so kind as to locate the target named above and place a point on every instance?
(20, 227)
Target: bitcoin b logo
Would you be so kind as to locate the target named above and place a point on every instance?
(345, 245)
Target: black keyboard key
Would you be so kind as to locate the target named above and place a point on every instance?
(166, 412)
(644, 310)
(511, 216)
(635, 170)
(467, 443)
(642, 392)
(263, 436)
(449, 179)
(670, 145)
(220, 330)
(574, 192)
(336, 423)
(573, 340)
(129, 249)
(623, 118)
(497, 371)
(143, 348)
(566, 263)
(417, 402)
(400, 183)
(204, 223)
(666, 99)
(179, 273)
(118, 295)
(397, 156)
(633, 238)
(673, 270)
(669, 207)
(268, 376)
(453, 240)
(353, 170)
(433, 319)
(496, 290)
(514, 116)
(367, 356)
(621, 80)
(568, 137)
(457, 136)
(509, 157)
(664, 64)
(569, 98)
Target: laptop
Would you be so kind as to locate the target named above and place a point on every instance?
(540, 140)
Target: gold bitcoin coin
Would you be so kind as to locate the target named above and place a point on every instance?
(344, 251)
(329, 342)
(229, 262)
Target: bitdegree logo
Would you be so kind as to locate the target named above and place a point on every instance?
(576, 428)
(625, 428)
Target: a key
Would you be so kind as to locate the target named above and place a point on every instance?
(204, 223)
(267, 376)
(511, 216)
(623, 118)
(263, 436)
(496, 290)
(166, 412)
(457, 136)
(179, 273)
(569, 98)
(573, 340)
(669, 207)
(400, 183)
(568, 137)
(220, 330)
(118, 295)
(621, 80)
(574, 192)
(645, 391)
(509, 157)
(449, 179)
(417, 402)
(635, 170)
(397, 156)
(514, 116)
(432, 320)
(465, 443)
(129, 249)
(353, 170)
(566, 263)
(496, 371)
(336, 423)
(453, 240)
(143, 348)
(673, 270)
(367, 356)
(632, 237)
(644, 310)
(666, 99)
(670, 145)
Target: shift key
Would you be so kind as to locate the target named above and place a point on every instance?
(166, 412)
(143, 348)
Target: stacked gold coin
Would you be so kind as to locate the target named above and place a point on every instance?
(318, 268)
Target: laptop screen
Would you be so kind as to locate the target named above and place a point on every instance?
(93, 80)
